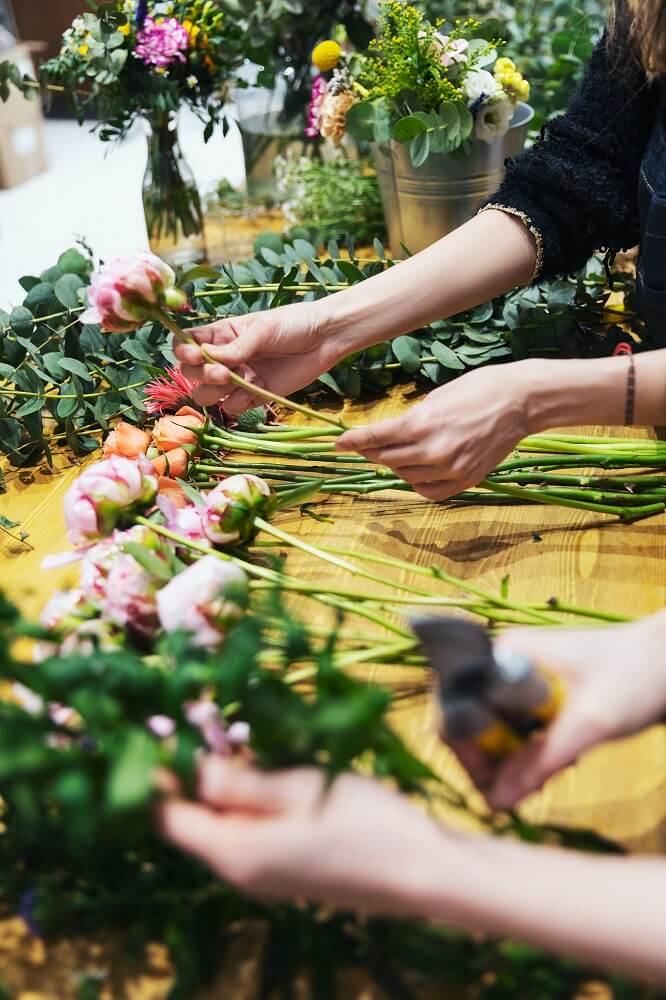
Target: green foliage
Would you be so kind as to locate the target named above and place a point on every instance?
(550, 41)
(78, 799)
(335, 198)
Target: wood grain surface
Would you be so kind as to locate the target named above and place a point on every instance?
(581, 558)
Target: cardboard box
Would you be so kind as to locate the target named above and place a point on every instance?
(22, 148)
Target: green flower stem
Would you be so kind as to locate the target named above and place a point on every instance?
(538, 496)
(436, 573)
(242, 383)
(595, 461)
(594, 482)
(277, 579)
(389, 651)
(333, 560)
(573, 609)
(220, 437)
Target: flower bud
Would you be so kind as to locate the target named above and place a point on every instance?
(108, 495)
(231, 508)
(124, 293)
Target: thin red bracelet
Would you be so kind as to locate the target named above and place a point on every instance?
(630, 404)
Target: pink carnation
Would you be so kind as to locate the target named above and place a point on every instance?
(160, 43)
(107, 494)
(124, 293)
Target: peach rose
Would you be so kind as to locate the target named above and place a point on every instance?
(174, 432)
(173, 464)
(127, 441)
(173, 491)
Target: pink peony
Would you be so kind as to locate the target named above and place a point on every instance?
(231, 507)
(122, 590)
(66, 610)
(123, 293)
(205, 599)
(162, 42)
(130, 598)
(106, 495)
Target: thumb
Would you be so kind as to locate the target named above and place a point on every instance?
(528, 770)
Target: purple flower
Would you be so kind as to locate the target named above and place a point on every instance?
(160, 43)
(312, 129)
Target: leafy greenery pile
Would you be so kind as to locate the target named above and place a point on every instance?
(79, 852)
(61, 381)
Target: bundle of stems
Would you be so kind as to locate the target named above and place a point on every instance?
(563, 470)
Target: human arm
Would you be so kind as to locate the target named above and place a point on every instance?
(287, 348)
(461, 431)
(360, 845)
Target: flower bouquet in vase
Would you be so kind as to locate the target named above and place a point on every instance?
(132, 60)
(442, 110)
(274, 89)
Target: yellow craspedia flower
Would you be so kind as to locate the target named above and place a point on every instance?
(326, 55)
(84, 50)
(125, 29)
(524, 91)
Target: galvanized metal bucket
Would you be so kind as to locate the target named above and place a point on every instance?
(422, 204)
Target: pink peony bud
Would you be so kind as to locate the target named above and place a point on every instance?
(130, 599)
(107, 495)
(124, 293)
(205, 599)
(230, 508)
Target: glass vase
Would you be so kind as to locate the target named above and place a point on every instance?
(171, 201)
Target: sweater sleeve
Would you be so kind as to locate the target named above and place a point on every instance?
(576, 189)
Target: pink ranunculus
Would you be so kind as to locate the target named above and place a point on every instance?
(205, 599)
(124, 293)
(162, 42)
(106, 495)
(231, 507)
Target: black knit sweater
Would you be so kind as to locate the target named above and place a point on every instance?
(577, 188)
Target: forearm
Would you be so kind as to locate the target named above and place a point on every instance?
(609, 912)
(562, 392)
(486, 257)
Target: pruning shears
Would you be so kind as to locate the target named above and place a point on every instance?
(495, 698)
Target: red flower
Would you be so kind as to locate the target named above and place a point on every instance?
(168, 392)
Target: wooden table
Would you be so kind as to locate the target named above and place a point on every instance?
(618, 790)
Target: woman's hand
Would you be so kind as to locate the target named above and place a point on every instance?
(355, 844)
(458, 434)
(615, 681)
(281, 350)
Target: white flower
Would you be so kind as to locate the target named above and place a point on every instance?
(191, 82)
(480, 85)
(493, 119)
